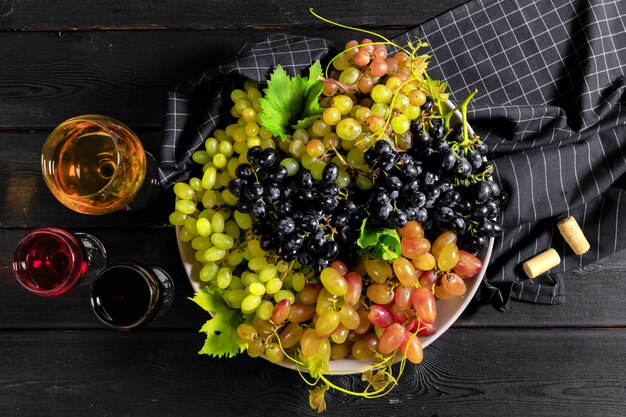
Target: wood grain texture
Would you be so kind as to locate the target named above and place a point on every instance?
(465, 373)
(23, 15)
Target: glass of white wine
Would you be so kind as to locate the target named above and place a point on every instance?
(94, 164)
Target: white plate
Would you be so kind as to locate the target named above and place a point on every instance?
(447, 310)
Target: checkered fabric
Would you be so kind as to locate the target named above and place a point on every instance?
(550, 107)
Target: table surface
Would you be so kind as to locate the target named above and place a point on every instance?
(64, 58)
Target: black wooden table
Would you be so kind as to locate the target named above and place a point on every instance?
(64, 58)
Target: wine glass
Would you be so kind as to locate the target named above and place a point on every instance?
(50, 261)
(127, 295)
(94, 164)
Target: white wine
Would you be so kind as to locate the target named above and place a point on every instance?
(94, 164)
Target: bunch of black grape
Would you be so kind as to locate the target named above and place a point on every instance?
(299, 218)
(442, 188)
(460, 194)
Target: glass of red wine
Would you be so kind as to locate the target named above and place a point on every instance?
(50, 261)
(127, 295)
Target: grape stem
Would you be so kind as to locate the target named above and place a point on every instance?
(338, 83)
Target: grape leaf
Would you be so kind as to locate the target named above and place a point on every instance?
(435, 88)
(377, 380)
(221, 330)
(315, 365)
(316, 398)
(291, 102)
(379, 242)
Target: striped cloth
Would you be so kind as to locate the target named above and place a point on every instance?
(550, 76)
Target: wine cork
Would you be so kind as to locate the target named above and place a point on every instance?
(573, 235)
(542, 262)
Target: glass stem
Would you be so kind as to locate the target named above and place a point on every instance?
(150, 188)
(96, 257)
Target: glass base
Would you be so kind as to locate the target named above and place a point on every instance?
(150, 188)
(96, 257)
(167, 288)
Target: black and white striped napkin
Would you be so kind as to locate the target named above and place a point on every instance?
(550, 76)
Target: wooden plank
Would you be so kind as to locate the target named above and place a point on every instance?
(212, 14)
(467, 372)
(27, 202)
(593, 300)
(47, 77)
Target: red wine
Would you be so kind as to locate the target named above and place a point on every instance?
(49, 261)
(125, 295)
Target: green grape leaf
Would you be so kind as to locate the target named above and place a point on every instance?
(315, 365)
(379, 242)
(377, 380)
(291, 102)
(435, 88)
(316, 398)
(221, 329)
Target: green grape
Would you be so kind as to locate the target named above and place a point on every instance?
(195, 183)
(239, 135)
(291, 165)
(297, 148)
(236, 283)
(343, 179)
(317, 169)
(400, 123)
(246, 333)
(226, 148)
(201, 157)
(307, 161)
(362, 114)
(256, 288)
(348, 129)
(212, 146)
(241, 105)
(253, 141)
(222, 241)
(240, 147)
(298, 282)
(235, 297)
(256, 263)
(185, 206)
(301, 134)
(229, 197)
(219, 160)
(273, 353)
(224, 277)
(332, 115)
(208, 178)
(342, 103)
(334, 282)
(255, 247)
(203, 226)
(264, 312)
(327, 322)
(315, 148)
(349, 76)
(285, 295)
(207, 213)
(217, 222)
(231, 229)
(381, 94)
(237, 95)
(364, 183)
(273, 285)
(268, 271)
(183, 191)
(177, 218)
(244, 221)
(250, 303)
(232, 165)
(382, 110)
(265, 133)
(209, 271)
(214, 254)
(268, 143)
(190, 225)
(220, 135)
(201, 243)
(235, 258)
(282, 266)
(355, 158)
(248, 278)
(209, 198)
